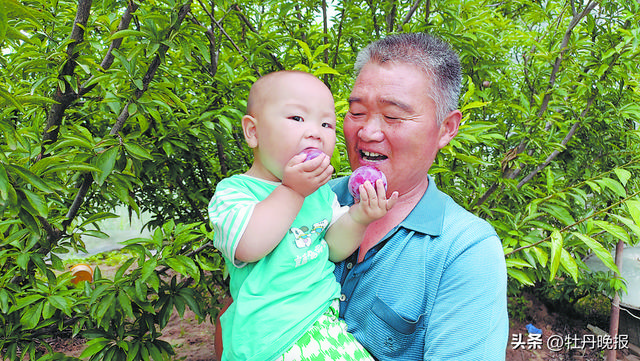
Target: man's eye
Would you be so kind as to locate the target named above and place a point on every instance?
(296, 118)
(355, 114)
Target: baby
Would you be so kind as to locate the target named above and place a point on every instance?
(279, 227)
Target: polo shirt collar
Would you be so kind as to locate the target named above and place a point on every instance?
(427, 216)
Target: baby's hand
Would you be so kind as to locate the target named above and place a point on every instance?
(373, 203)
(305, 177)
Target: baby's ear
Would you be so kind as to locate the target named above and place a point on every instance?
(250, 129)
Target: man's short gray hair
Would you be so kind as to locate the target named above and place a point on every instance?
(432, 55)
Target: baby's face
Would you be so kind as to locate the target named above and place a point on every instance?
(296, 112)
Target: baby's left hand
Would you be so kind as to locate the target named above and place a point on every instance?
(373, 203)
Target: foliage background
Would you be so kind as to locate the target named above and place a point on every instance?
(112, 102)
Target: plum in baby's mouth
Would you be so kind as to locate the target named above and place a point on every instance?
(311, 153)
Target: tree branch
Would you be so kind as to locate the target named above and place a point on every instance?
(214, 21)
(513, 173)
(339, 38)
(407, 17)
(244, 19)
(573, 129)
(87, 179)
(107, 61)
(64, 98)
(427, 12)
(573, 225)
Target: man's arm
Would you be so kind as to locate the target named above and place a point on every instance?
(272, 217)
(345, 235)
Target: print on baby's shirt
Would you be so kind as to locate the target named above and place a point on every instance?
(303, 239)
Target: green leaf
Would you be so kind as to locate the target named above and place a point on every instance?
(97, 217)
(105, 162)
(305, 49)
(7, 192)
(325, 70)
(569, 264)
(630, 224)
(470, 159)
(598, 249)
(634, 210)
(133, 353)
(517, 263)
(560, 213)
(94, 346)
(155, 353)
(623, 175)
(556, 252)
(473, 105)
(148, 268)
(123, 268)
(31, 316)
(3, 23)
(616, 231)
(177, 265)
(189, 297)
(614, 185)
(26, 301)
(137, 151)
(521, 276)
(125, 304)
(31, 178)
(38, 202)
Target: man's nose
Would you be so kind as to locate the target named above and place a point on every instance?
(371, 130)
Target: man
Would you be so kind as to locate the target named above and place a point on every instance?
(429, 280)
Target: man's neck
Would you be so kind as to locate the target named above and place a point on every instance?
(378, 229)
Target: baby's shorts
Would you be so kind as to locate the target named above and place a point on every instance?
(327, 339)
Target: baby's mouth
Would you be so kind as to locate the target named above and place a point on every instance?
(371, 156)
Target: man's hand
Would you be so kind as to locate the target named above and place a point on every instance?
(306, 177)
(373, 203)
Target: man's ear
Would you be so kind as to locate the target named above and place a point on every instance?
(250, 129)
(449, 128)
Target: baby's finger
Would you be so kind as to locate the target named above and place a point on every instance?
(382, 193)
(392, 200)
(371, 193)
(312, 164)
(325, 176)
(364, 196)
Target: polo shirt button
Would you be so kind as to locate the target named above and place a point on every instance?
(343, 297)
(349, 265)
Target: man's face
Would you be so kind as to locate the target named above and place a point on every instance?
(391, 124)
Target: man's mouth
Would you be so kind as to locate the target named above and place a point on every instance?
(371, 156)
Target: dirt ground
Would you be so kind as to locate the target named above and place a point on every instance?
(194, 341)
(558, 331)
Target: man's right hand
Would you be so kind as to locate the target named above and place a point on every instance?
(306, 177)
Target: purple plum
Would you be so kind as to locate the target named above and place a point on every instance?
(311, 153)
(363, 174)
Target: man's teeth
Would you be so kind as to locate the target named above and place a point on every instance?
(372, 156)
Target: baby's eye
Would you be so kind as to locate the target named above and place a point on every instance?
(327, 125)
(296, 118)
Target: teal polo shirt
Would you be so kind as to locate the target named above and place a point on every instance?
(434, 288)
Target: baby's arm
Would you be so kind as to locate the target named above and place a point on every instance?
(272, 217)
(345, 235)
